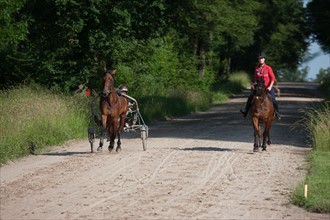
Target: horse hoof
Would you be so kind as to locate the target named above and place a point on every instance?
(269, 142)
(110, 149)
(264, 149)
(99, 149)
(255, 149)
(118, 149)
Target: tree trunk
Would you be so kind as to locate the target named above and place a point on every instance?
(228, 70)
(201, 57)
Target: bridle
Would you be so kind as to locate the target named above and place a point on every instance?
(110, 89)
(106, 93)
(260, 94)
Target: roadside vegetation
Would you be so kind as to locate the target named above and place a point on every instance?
(33, 118)
(317, 122)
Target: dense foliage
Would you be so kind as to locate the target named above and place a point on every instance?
(319, 20)
(155, 44)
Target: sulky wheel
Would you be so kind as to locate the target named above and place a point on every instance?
(144, 136)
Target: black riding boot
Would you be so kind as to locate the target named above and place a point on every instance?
(277, 113)
(247, 106)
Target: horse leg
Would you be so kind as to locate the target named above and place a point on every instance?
(113, 133)
(118, 149)
(269, 142)
(103, 132)
(120, 129)
(256, 144)
(112, 138)
(259, 136)
(255, 124)
(267, 135)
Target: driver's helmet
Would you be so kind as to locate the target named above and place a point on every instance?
(123, 88)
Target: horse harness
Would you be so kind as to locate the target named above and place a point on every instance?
(264, 96)
(104, 96)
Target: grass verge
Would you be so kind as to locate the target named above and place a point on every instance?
(34, 117)
(317, 121)
(235, 84)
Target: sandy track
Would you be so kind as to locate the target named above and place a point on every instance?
(199, 166)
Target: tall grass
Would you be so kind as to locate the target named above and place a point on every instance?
(31, 115)
(317, 122)
(178, 102)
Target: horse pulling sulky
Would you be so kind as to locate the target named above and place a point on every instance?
(119, 112)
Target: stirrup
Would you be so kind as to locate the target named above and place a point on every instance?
(277, 115)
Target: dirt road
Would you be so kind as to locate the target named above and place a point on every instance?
(199, 166)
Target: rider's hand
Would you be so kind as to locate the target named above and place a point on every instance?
(269, 89)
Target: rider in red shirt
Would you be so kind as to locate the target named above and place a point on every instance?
(265, 72)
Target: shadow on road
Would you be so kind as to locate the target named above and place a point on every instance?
(204, 149)
(64, 153)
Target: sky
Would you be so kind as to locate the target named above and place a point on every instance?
(321, 61)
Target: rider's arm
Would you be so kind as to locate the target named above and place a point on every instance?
(271, 77)
(270, 85)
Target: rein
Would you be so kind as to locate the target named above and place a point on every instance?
(108, 92)
(263, 96)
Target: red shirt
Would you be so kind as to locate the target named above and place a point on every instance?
(264, 72)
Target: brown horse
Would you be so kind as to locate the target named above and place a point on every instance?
(262, 110)
(113, 108)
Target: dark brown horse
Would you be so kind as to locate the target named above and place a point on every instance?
(113, 108)
(262, 110)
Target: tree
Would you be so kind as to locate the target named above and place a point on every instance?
(158, 44)
(13, 31)
(216, 30)
(319, 19)
(293, 75)
(281, 35)
(13, 25)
